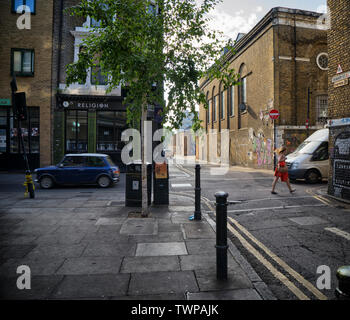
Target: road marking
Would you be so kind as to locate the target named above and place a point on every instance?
(323, 200)
(235, 179)
(320, 198)
(181, 185)
(339, 232)
(279, 198)
(298, 293)
(279, 261)
(180, 167)
(275, 208)
(267, 264)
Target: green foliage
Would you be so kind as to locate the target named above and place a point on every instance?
(174, 48)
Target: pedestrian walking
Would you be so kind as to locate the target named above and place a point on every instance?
(281, 170)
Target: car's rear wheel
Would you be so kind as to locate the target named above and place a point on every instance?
(46, 182)
(312, 176)
(104, 182)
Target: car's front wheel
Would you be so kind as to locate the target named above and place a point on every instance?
(104, 182)
(313, 176)
(46, 182)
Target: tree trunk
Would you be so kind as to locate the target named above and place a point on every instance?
(145, 208)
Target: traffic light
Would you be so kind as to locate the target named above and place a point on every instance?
(20, 106)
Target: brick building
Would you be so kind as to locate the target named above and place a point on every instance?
(283, 65)
(86, 118)
(26, 50)
(339, 98)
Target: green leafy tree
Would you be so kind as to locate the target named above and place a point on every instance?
(146, 45)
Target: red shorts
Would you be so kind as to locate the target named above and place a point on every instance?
(283, 175)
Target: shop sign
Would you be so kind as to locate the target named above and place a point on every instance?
(93, 103)
(85, 105)
(339, 122)
(343, 76)
(5, 102)
(341, 83)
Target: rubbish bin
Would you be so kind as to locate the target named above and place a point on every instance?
(161, 184)
(133, 184)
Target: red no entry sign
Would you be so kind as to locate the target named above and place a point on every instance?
(274, 114)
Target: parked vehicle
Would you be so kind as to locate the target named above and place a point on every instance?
(310, 161)
(78, 169)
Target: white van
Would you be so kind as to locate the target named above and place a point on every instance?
(310, 161)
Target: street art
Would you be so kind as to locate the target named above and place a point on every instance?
(292, 140)
(342, 145)
(341, 174)
(261, 147)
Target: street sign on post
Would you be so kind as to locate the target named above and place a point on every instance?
(274, 114)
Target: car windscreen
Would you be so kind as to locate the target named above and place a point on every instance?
(308, 147)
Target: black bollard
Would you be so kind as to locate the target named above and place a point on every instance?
(221, 235)
(197, 212)
(342, 292)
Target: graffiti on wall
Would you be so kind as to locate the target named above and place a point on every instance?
(261, 148)
(341, 163)
(292, 140)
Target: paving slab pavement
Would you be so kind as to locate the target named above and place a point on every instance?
(96, 249)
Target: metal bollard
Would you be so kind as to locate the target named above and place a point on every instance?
(197, 212)
(221, 235)
(342, 292)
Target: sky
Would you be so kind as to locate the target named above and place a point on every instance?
(234, 16)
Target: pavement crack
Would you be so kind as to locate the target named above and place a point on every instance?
(307, 248)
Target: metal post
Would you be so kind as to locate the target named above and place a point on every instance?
(274, 146)
(308, 110)
(342, 292)
(197, 212)
(221, 235)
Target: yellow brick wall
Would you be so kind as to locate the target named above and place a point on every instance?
(37, 88)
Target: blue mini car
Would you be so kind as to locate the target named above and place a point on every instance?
(77, 169)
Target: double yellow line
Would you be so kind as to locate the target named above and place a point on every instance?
(274, 271)
(320, 198)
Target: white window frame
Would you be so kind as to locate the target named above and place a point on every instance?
(320, 108)
(318, 63)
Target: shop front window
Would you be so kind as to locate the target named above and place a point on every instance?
(110, 125)
(30, 132)
(76, 131)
